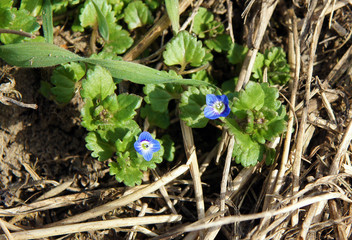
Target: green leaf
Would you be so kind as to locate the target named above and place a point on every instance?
(246, 151)
(184, 49)
(270, 154)
(101, 149)
(103, 24)
(202, 21)
(65, 78)
(237, 53)
(60, 6)
(137, 15)
(45, 55)
(32, 6)
(169, 148)
(119, 41)
(192, 104)
(87, 114)
(34, 54)
(271, 96)
(203, 75)
(157, 96)
(89, 16)
(98, 84)
(48, 28)
(124, 106)
(22, 22)
(220, 43)
(278, 68)
(159, 119)
(251, 98)
(172, 8)
(6, 3)
(258, 67)
(6, 17)
(129, 175)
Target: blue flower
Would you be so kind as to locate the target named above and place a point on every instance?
(146, 145)
(217, 106)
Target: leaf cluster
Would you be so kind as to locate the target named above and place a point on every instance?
(274, 62)
(258, 117)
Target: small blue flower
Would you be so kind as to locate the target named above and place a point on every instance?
(146, 145)
(217, 106)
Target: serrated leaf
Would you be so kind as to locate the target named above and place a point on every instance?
(102, 23)
(184, 49)
(236, 53)
(89, 16)
(172, 8)
(119, 40)
(48, 28)
(246, 151)
(278, 68)
(137, 14)
(65, 78)
(220, 43)
(251, 98)
(157, 96)
(128, 175)
(201, 21)
(101, 149)
(21, 22)
(271, 96)
(192, 104)
(125, 107)
(98, 84)
(159, 119)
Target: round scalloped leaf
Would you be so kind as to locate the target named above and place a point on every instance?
(252, 98)
(157, 96)
(98, 84)
(137, 14)
(119, 40)
(64, 78)
(184, 49)
(202, 21)
(100, 148)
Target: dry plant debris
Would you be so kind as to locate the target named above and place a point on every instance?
(305, 194)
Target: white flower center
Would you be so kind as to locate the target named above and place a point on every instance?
(146, 145)
(219, 107)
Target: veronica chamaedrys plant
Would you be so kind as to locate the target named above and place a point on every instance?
(146, 145)
(217, 106)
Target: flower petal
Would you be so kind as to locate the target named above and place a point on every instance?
(226, 112)
(145, 136)
(138, 147)
(211, 99)
(148, 155)
(210, 113)
(224, 99)
(155, 146)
